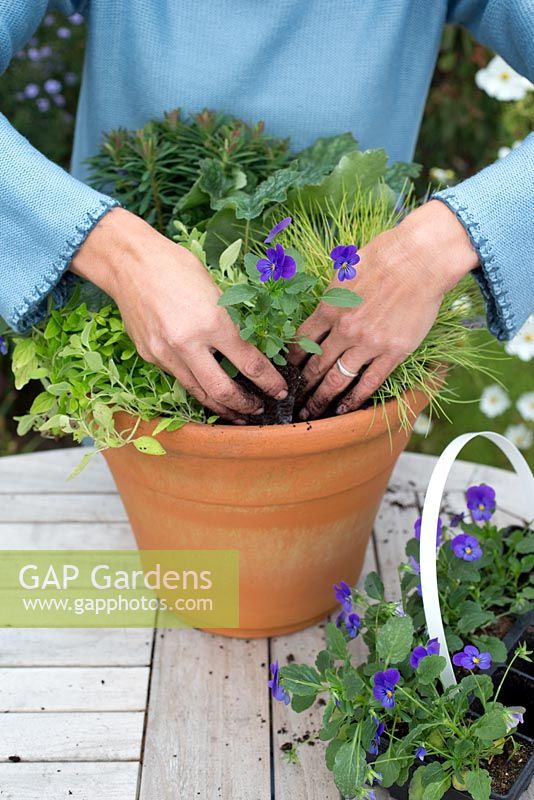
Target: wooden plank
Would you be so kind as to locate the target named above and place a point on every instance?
(113, 736)
(65, 508)
(309, 779)
(63, 781)
(208, 719)
(67, 536)
(393, 527)
(413, 471)
(88, 647)
(73, 689)
(48, 471)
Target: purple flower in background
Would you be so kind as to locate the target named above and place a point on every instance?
(420, 753)
(277, 691)
(31, 91)
(380, 727)
(352, 623)
(466, 547)
(457, 519)
(76, 19)
(414, 564)
(384, 686)
(343, 595)
(3, 346)
(420, 652)
(481, 502)
(70, 78)
(49, 20)
(277, 265)
(470, 658)
(42, 104)
(417, 530)
(34, 54)
(278, 228)
(52, 86)
(59, 100)
(46, 51)
(345, 258)
(64, 33)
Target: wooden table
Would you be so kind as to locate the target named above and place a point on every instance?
(165, 715)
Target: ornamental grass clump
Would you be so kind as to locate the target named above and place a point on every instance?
(274, 231)
(389, 720)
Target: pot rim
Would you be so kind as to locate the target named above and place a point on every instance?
(273, 441)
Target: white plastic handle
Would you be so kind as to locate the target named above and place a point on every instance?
(429, 522)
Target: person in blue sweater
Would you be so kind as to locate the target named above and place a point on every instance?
(310, 69)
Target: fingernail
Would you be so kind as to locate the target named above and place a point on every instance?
(258, 412)
(281, 395)
(341, 409)
(304, 414)
(239, 422)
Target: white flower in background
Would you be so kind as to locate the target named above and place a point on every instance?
(525, 406)
(494, 401)
(500, 81)
(520, 435)
(444, 176)
(463, 304)
(522, 345)
(504, 151)
(423, 425)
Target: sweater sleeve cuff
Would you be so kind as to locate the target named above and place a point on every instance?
(57, 282)
(496, 208)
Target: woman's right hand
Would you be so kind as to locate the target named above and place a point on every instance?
(168, 302)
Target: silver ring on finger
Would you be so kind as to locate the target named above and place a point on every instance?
(344, 371)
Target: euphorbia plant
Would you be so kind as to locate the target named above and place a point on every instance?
(389, 720)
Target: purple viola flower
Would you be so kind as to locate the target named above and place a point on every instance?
(278, 228)
(481, 502)
(42, 103)
(345, 258)
(375, 744)
(457, 519)
(277, 265)
(384, 686)
(277, 691)
(418, 653)
(343, 595)
(351, 622)
(417, 530)
(514, 717)
(64, 33)
(52, 86)
(471, 658)
(414, 564)
(31, 91)
(466, 547)
(3, 346)
(369, 793)
(420, 753)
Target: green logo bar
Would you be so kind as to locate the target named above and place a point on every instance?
(119, 588)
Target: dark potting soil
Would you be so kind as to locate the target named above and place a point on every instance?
(499, 628)
(284, 412)
(504, 769)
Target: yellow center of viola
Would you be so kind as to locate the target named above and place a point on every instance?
(481, 506)
(505, 76)
(468, 550)
(476, 660)
(389, 693)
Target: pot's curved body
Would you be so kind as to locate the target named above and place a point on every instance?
(297, 501)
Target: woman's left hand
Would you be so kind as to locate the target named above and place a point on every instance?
(402, 277)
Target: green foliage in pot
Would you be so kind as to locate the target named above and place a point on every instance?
(336, 195)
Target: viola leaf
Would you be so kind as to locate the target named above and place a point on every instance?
(344, 298)
(239, 293)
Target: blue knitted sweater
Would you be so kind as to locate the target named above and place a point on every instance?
(310, 68)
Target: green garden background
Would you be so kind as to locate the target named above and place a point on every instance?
(463, 130)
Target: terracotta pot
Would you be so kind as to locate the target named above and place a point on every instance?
(298, 502)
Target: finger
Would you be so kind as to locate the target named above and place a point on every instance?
(315, 328)
(333, 384)
(371, 380)
(187, 379)
(255, 366)
(218, 386)
(317, 366)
